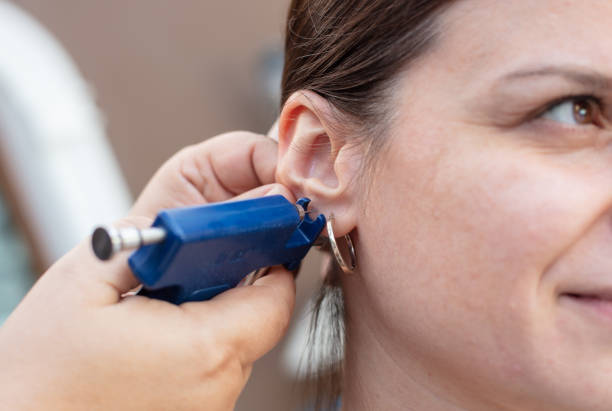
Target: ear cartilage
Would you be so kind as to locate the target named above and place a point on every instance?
(195, 253)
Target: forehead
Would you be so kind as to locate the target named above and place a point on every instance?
(484, 38)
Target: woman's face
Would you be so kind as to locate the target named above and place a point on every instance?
(486, 242)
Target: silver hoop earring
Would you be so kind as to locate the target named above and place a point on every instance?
(348, 269)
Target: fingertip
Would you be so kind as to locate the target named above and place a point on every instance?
(267, 190)
(279, 189)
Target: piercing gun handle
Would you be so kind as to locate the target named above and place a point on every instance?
(195, 253)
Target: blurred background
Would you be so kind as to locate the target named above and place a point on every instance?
(94, 96)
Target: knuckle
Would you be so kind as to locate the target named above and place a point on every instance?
(197, 175)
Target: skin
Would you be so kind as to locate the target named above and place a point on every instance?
(484, 217)
(482, 220)
(75, 343)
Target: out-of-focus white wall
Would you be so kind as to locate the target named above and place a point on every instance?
(167, 74)
(53, 148)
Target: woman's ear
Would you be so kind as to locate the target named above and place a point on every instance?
(316, 162)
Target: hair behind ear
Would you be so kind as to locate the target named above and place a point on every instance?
(326, 342)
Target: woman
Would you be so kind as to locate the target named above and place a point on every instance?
(464, 147)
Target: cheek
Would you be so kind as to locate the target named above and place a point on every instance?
(458, 240)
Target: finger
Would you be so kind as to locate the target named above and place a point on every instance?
(214, 170)
(267, 190)
(95, 282)
(251, 320)
(238, 162)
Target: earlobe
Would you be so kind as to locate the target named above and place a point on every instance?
(315, 161)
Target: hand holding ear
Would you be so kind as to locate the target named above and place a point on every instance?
(75, 343)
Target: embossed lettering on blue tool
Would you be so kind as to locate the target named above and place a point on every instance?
(209, 249)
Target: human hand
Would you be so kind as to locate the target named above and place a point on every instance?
(75, 343)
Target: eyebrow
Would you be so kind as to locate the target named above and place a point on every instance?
(586, 78)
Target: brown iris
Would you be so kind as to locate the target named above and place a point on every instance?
(585, 111)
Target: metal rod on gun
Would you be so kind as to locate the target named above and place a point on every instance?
(108, 241)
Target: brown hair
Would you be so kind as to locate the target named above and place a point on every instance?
(350, 52)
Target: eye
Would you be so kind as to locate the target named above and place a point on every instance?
(580, 111)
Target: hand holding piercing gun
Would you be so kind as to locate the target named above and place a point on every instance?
(195, 253)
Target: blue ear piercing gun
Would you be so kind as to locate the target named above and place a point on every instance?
(195, 253)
